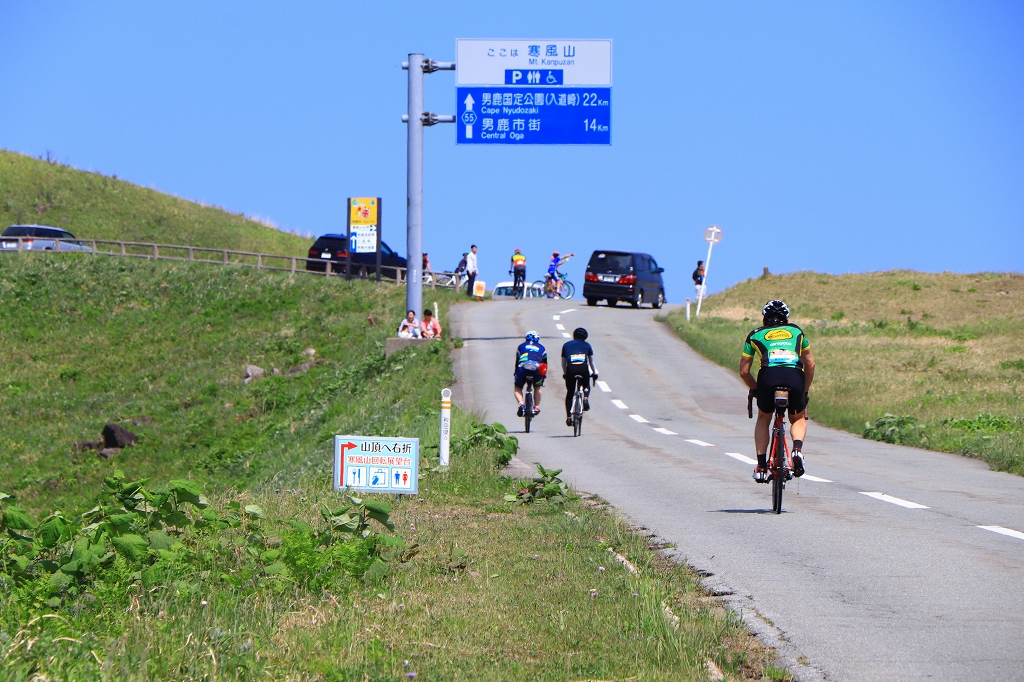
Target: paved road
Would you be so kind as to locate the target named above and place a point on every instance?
(847, 586)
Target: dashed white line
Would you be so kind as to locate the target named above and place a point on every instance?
(603, 385)
(568, 311)
(666, 431)
(700, 443)
(1004, 531)
(566, 335)
(895, 500)
(619, 404)
(808, 477)
(560, 327)
(638, 418)
(742, 458)
(556, 318)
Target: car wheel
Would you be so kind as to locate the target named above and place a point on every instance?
(638, 301)
(660, 301)
(591, 301)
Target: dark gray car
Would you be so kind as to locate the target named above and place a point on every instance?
(615, 276)
(40, 238)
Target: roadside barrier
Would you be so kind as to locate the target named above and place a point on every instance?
(201, 254)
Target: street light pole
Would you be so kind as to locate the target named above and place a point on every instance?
(417, 119)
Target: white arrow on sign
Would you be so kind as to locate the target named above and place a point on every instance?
(469, 107)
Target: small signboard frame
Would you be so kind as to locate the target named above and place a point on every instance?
(377, 464)
(377, 221)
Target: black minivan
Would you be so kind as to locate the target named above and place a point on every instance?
(623, 276)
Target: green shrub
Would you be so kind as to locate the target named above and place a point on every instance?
(891, 428)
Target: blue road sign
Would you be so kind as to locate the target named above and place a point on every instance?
(534, 115)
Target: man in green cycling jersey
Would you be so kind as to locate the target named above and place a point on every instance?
(785, 359)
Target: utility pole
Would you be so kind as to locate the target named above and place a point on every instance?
(417, 119)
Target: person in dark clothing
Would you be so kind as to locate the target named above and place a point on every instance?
(698, 280)
(577, 365)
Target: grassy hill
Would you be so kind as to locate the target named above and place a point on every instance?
(938, 353)
(94, 206)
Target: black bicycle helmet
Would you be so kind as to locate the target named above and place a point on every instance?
(775, 313)
(579, 333)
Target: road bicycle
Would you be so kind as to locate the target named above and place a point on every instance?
(518, 284)
(780, 463)
(576, 414)
(568, 288)
(528, 402)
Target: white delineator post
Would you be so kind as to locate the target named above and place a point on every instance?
(446, 426)
(712, 235)
(687, 310)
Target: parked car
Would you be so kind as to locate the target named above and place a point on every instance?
(505, 289)
(331, 248)
(616, 276)
(41, 238)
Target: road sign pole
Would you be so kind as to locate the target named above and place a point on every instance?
(712, 235)
(417, 119)
(446, 427)
(414, 189)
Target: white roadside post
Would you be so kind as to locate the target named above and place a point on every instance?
(687, 310)
(446, 426)
(712, 235)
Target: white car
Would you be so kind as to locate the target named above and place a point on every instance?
(505, 289)
(40, 238)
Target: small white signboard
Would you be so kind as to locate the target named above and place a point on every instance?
(364, 239)
(558, 62)
(373, 464)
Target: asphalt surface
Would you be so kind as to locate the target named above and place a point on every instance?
(845, 585)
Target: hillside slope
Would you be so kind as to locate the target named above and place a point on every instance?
(94, 206)
(938, 353)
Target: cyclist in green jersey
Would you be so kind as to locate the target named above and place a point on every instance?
(785, 359)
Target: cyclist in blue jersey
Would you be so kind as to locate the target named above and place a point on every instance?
(531, 361)
(553, 273)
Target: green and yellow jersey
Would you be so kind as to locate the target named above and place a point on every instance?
(518, 260)
(779, 346)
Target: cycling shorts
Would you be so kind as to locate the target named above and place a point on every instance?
(771, 377)
(570, 377)
(519, 272)
(522, 373)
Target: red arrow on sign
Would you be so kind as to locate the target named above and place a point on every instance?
(344, 447)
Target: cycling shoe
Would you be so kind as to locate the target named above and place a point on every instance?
(586, 405)
(568, 421)
(798, 464)
(536, 411)
(761, 475)
(521, 411)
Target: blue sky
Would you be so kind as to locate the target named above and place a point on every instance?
(839, 137)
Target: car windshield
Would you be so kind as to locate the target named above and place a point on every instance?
(610, 261)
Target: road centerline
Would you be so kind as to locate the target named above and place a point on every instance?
(603, 385)
(560, 327)
(742, 458)
(662, 429)
(1004, 531)
(701, 443)
(895, 500)
(638, 418)
(619, 404)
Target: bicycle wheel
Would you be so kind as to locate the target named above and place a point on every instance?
(568, 290)
(528, 404)
(577, 412)
(779, 473)
(538, 286)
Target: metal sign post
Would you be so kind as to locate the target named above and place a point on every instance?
(712, 235)
(446, 427)
(417, 119)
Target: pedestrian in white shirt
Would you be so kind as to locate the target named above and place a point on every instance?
(471, 269)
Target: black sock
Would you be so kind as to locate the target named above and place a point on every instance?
(762, 461)
(798, 445)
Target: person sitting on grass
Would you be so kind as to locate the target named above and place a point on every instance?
(410, 327)
(430, 328)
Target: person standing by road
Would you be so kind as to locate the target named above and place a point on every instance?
(471, 268)
(577, 365)
(698, 281)
(785, 360)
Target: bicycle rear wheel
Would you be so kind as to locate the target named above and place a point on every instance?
(528, 404)
(779, 473)
(568, 290)
(577, 413)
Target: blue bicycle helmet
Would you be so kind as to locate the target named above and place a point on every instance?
(532, 337)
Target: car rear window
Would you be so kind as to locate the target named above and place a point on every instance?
(332, 243)
(17, 231)
(611, 261)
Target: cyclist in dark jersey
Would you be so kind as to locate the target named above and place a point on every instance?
(784, 357)
(577, 362)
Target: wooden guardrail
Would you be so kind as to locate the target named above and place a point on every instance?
(203, 254)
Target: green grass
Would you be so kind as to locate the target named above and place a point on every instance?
(954, 366)
(496, 591)
(95, 206)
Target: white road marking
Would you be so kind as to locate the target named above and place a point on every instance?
(636, 417)
(603, 385)
(666, 431)
(1004, 531)
(566, 335)
(808, 477)
(619, 404)
(700, 443)
(568, 311)
(742, 458)
(560, 327)
(895, 500)
(556, 318)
